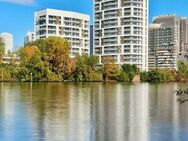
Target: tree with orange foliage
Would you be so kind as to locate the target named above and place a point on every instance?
(27, 52)
(56, 55)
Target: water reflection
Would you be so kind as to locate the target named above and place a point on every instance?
(92, 112)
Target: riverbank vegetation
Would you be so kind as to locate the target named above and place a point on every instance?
(49, 60)
(166, 75)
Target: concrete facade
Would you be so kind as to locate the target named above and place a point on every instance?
(121, 31)
(168, 41)
(70, 25)
(163, 47)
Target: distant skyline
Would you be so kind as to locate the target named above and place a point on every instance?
(17, 15)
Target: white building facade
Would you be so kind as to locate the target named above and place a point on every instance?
(121, 31)
(29, 37)
(8, 41)
(70, 25)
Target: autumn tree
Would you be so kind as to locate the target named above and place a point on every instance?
(27, 52)
(109, 68)
(56, 55)
(31, 65)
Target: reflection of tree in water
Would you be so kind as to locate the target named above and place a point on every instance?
(59, 110)
(47, 105)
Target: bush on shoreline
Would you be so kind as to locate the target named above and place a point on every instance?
(158, 75)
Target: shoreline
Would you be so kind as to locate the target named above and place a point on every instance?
(90, 82)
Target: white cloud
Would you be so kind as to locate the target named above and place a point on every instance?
(25, 2)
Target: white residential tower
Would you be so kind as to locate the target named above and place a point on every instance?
(121, 31)
(70, 25)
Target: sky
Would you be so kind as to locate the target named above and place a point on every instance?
(16, 16)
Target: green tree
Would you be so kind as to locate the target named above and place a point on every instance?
(85, 69)
(130, 70)
(80, 69)
(31, 65)
(158, 75)
(182, 70)
(2, 49)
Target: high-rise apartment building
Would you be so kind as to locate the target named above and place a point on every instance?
(184, 38)
(163, 45)
(121, 31)
(8, 41)
(75, 27)
(168, 40)
(29, 37)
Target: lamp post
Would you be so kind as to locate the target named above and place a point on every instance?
(31, 77)
(2, 74)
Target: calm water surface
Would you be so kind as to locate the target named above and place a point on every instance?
(92, 112)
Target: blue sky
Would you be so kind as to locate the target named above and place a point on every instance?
(16, 16)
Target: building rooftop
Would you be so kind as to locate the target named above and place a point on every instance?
(75, 14)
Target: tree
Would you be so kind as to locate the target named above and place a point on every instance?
(85, 68)
(130, 70)
(55, 55)
(158, 75)
(60, 60)
(31, 64)
(109, 68)
(27, 52)
(2, 49)
(80, 69)
(182, 70)
(93, 61)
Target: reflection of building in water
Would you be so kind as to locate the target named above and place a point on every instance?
(12, 115)
(139, 112)
(63, 113)
(165, 112)
(6, 109)
(122, 113)
(80, 114)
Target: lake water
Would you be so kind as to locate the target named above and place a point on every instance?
(92, 112)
